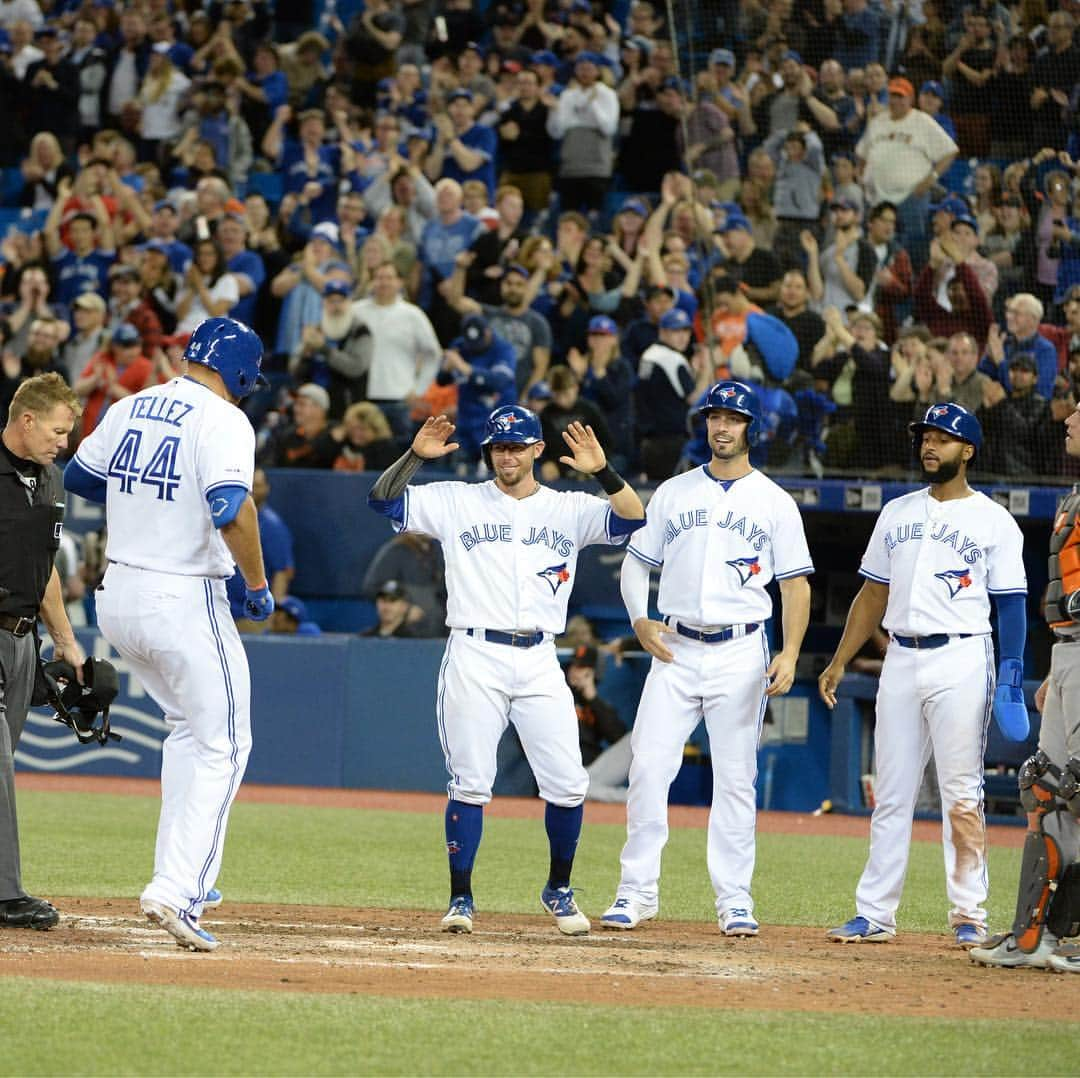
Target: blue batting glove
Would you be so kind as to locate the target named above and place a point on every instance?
(1010, 711)
(258, 603)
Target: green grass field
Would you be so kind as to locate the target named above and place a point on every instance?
(102, 845)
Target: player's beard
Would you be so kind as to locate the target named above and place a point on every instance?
(731, 450)
(946, 470)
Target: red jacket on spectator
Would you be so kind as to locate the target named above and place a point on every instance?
(942, 323)
(144, 318)
(1060, 337)
(134, 377)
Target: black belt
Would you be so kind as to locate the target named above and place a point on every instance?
(512, 640)
(730, 633)
(928, 643)
(16, 626)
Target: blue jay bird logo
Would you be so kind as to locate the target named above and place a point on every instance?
(955, 580)
(726, 394)
(746, 568)
(939, 411)
(555, 575)
(505, 423)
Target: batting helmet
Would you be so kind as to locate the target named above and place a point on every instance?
(77, 704)
(512, 423)
(233, 350)
(952, 419)
(735, 397)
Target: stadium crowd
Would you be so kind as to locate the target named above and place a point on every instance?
(429, 206)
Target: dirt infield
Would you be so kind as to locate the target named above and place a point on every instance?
(403, 953)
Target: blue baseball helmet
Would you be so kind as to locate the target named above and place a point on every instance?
(233, 350)
(735, 397)
(952, 419)
(512, 423)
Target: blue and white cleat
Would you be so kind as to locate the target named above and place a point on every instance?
(213, 899)
(969, 935)
(459, 916)
(627, 912)
(181, 926)
(738, 922)
(559, 902)
(860, 930)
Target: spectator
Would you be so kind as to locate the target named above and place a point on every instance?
(209, 290)
(311, 168)
(754, 267)
(444, 237)
(415, 562)
(405, 351)
(407, 187)
(464, 150)
(667, 385)
(905, 152)
(986, 197)
(211, 123)
(1056, 72)
(277, 549)
(585, 119)
(962, 245)
(1010, 245)
(246, 267)
(392, 606)
(793, 103)
(365, 441)
(1023, 313)
(793, 309)
(23, 51)
(164, 226)
(607, 380)
(600, 731)
(845, 183)
(1051, 220)
(127, 305)
(300, 284)
(931, 101)
(968, 310)
(1017, 424)
(160, 285)
(481, 364)
(335, 352)
(857, 30)
(970, 67)
(842, 275)
(88, 313)
(42, 170)
(1009, 97)
(211, 197)
(494, 248)
(797, 192)
(290, 616)
(262, 91)
(567, 406)
(471, 76)
(160, 97)
(13, 11)
(710, 140)
(114, 373)
(891, 285)
(650, 149)
(302, 66)
(32, 303)
(370, 45)
(84, 266)
(832, 93)
(1066, 338)
(307, 441)
(970, 387)
(52, 85)
(644, 331)
(128, 62)
(525, 147)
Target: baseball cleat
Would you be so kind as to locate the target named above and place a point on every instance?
(969, 935)
(460, 914)
(181, 926)
(860, 930)
(559, 902)
(213, 899)
(738, 922)
(1002, 950)
(1065, 959)
(628, 913)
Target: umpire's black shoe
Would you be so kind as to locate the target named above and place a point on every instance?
(27, 912)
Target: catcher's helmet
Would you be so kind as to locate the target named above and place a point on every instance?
(952, 419)
(512, 423)
(230, 348)
(77, 705)
(735, 397)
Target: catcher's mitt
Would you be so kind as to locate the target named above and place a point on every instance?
(77, 704)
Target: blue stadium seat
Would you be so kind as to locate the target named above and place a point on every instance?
(12, 186)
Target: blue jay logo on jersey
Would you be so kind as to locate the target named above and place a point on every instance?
(556, 576)
(955, 580)
(747, 568)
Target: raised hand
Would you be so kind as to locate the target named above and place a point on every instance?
(588, 454)
(431, 442)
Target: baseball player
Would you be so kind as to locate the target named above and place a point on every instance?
(173, 465)
(511, 547)
(719, 535)
(1048, 896)
(933, 561)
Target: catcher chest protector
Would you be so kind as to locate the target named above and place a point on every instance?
(1064, 565)
(77, 705)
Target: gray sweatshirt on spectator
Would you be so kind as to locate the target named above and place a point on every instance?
(586, 121)
(797, 190)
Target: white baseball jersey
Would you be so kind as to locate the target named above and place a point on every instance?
(943, 561)
(163, 452)
(720, 548)
(510, 562)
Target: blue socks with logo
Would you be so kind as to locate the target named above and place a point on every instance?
(464, 826)
(563, 830)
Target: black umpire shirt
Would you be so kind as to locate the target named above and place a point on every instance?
(31, 522)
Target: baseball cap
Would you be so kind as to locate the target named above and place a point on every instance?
(600, 323)
(932, 86)
(842, 203)
(634, 205)
(545, 57)
(676, 318)
(950, 204)
(791, 54)
(90, 301)
(473, 329)
(123, 270)
(642, 44)
(472, 46)
(965, 219)
(316, 394)
(161, 48)
(293, 607)
(722, 56)
(126, 335)
(519, 269)
(154, 245)
(337, 288)
(735, 221)
(460, 94)
(165, 204)
(46, 31)
(587, 57)
(673, 82)
(540, 392)
(327, 230)
(392, 589)
(584, 655)
(902, 87)
(1025, 360)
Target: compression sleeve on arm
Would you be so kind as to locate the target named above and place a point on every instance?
(634, 587)
(392, 483)
(1012, 625)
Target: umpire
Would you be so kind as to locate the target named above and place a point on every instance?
(40, 418)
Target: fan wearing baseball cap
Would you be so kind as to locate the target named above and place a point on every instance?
(905, 152)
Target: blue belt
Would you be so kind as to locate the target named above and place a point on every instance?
(513, 640)
(719, 636)
(928, 643)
